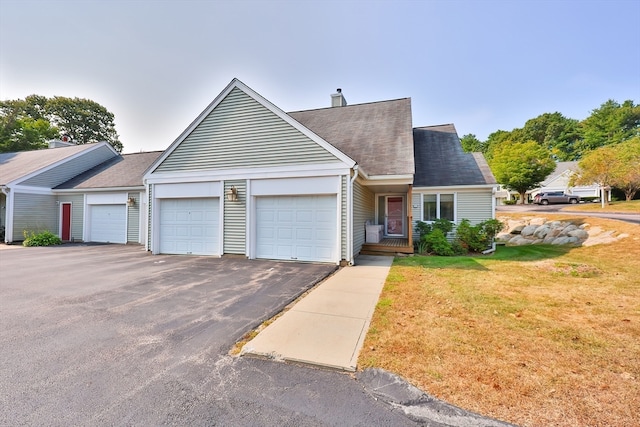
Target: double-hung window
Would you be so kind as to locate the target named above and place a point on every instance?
(435, 206)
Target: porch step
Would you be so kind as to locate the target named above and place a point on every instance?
(381, 249)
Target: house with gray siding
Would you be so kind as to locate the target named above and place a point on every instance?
(322, 185)
(246, 178)
(86, 193)
(110, 200)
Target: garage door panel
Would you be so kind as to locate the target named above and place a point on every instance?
(285, 234)
(108, 223)
(297, 227)
(303, 234)
(189, 226)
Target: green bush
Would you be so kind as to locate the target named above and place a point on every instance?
(437, 243)
(469, 238)
(477, 238)
(510, 202)
(433, 237)
(44, 238)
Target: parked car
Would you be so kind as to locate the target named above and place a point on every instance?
(555, 197)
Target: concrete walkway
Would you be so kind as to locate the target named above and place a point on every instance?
(328, 326)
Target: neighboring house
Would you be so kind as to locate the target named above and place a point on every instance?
(560, 180)
(247, 178)
(450, 183)
(78, 192)
(110, 200)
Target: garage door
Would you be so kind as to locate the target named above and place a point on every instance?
(302, 228)
(189, 226)
(108, 223)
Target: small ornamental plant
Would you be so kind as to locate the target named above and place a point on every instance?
(44, 238)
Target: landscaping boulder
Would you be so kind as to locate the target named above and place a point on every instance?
(536, 230)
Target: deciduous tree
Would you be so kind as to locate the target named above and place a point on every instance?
(521, 166)
(598, 166)
(627, 177)
(27, 124)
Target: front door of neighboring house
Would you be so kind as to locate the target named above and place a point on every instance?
(65, 221)
(394, 224)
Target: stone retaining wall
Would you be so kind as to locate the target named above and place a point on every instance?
(537, 230)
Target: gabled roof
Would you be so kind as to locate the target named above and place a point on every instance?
(235, 83)
(376, 135)
(14, 166)
(126, 170)
(441, 161)
(562, 168)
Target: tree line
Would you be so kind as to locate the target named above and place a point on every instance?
(522, 158)
(28, 124)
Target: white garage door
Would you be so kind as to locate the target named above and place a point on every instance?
(108, 223)
(302, 228)
(189, 226)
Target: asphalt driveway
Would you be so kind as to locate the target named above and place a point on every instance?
(111, 335)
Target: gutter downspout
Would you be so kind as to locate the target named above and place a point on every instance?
(350, 182)
(8, 214)
(493, 216)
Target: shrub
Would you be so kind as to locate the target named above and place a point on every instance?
(433, 237)
(510, 202)
(44, 238)
(437, 243)
(477, 238)
(423, 228)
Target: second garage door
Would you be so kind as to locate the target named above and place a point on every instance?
(302, 228)
(108, 223)
(189, 226)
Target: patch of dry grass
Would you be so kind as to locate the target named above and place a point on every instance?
(536, 336)
(632, 206)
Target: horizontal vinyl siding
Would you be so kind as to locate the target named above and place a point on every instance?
(476, 206)
(71, 168)
(240, 132)
(133, 219)
(77, 214)
(364, 208)
(34, 212)
(416, 211)
(235, 219)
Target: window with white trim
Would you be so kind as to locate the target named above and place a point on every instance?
(435, 206)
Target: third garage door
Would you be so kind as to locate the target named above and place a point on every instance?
(189, 226)
(108, 223)
(302, 228)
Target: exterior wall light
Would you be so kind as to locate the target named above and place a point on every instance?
(131, 201)
(232, 194)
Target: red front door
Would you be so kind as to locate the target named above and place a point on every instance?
(395, 216)
(66, 222)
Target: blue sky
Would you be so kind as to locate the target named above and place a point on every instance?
(483, 65)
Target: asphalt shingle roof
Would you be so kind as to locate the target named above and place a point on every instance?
(377, 135)
(561, 167)
(126, 170)
(441, 161)
(17, 165)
